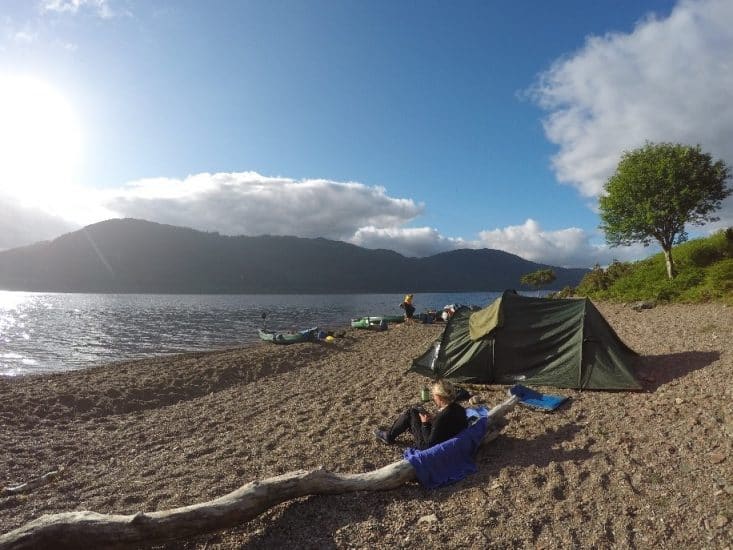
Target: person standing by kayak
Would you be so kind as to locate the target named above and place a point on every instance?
(407, 306)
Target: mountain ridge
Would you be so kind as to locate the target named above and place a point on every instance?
(137, 256)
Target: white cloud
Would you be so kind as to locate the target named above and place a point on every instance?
(101, 8)
(15, 34)
(667, 81)
(247, 203)
(24, 37)
(408, 241)
(569, 247)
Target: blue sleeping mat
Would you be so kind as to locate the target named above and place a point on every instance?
(536, 400)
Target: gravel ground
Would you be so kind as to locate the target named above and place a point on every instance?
(648, 469)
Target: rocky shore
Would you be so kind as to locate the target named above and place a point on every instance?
(651, 469)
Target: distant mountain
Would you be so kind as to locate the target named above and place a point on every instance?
(127, 255)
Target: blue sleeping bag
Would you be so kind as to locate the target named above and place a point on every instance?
(450, 461)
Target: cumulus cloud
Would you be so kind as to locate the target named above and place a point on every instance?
(408, 241)
(667, 81)
(247, 203)
(569, 247)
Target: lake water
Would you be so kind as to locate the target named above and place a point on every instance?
(51, 332)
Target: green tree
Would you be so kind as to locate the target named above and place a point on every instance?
(593, 281)
(656, 190)
(538, 278)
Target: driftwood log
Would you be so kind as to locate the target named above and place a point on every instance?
(32, 484)
(86, 529)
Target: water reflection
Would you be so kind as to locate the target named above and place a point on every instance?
(42, 332)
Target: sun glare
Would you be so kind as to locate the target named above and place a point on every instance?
(40, 139)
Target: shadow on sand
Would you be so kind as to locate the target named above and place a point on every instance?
(539, 451)
(656, 370)
(300, 518)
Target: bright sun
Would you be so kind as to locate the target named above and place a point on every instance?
(40, 139)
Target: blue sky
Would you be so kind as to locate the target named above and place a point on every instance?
(415, 126)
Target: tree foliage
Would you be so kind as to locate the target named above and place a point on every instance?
(657, 190)
(599, 279)
(538, 278)
(705, 272)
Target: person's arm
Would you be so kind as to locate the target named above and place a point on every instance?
(426, 426)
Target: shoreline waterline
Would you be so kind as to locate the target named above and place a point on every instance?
(53, 332)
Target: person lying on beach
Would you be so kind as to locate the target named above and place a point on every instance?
(429, 430)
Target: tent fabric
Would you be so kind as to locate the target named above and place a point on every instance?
(482, 322)
(565, 343)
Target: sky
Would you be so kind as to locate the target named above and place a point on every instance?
(416, 126)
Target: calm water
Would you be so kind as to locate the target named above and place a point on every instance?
(47, 332)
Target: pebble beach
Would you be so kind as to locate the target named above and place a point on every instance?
(649, 469)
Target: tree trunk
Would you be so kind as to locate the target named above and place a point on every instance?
(670, 264)
(93, 530)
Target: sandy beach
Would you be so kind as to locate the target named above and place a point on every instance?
(651, 469)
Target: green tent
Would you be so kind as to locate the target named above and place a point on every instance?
(540, 341)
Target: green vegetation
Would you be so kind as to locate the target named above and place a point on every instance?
(656, 190)
(539, 278)
(704, 273)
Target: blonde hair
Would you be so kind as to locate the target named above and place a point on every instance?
(444, 389)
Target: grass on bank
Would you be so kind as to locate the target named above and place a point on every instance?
(704, 273)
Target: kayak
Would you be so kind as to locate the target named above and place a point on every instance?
(393, 318)
(375, 322)
(306, 335)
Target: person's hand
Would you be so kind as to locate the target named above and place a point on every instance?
(424, 418)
